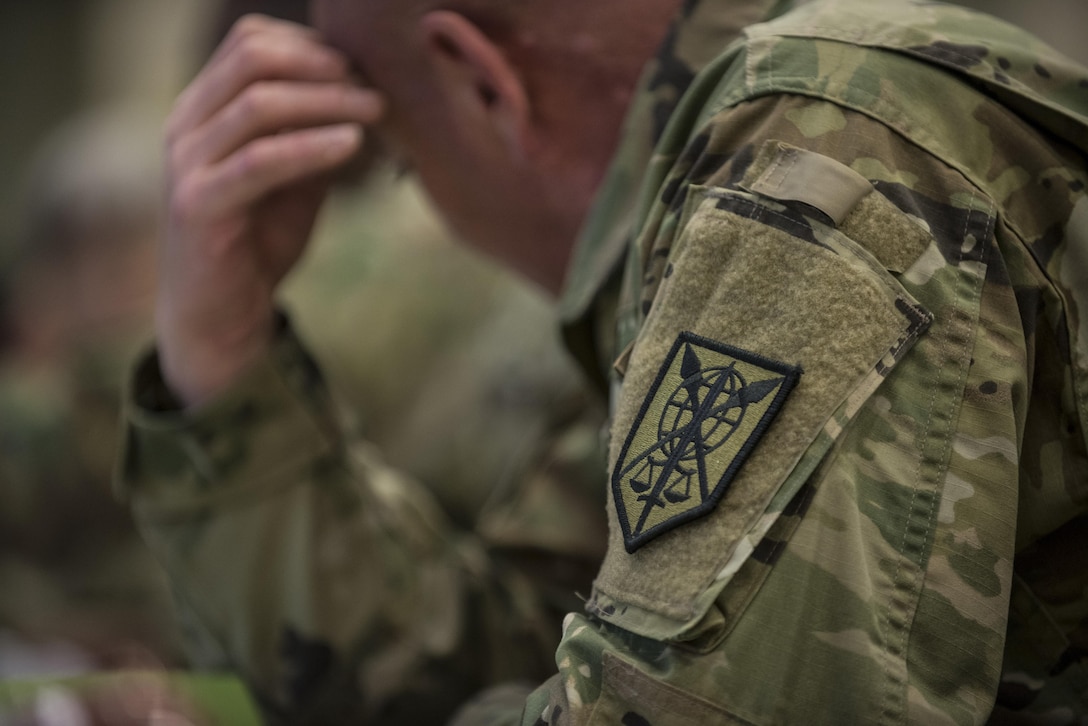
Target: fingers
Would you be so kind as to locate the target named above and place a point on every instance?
(254, 23)
(260, 167)
(248, 141)
(257, 49)
(272, 107)
(268, 107)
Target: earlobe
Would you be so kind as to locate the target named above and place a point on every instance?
(475, 74)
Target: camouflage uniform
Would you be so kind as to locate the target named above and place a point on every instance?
(490, 369)
(834, 278)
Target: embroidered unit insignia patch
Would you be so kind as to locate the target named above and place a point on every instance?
(707, 410)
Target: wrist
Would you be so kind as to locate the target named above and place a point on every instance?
(198, 365)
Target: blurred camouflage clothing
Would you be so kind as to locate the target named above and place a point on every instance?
(891, 197)
(490, 368)
(489, 414)
(300, 628)
(834, 278)
(80, 288)
(71, 564)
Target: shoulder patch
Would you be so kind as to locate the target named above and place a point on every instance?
(708, 408)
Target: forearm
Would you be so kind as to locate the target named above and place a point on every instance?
(324, 578)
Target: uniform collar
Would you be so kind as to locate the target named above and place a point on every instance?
(699, 33)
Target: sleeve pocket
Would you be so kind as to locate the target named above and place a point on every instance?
(757, 290)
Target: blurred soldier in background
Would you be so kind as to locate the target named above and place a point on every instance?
(78, 302)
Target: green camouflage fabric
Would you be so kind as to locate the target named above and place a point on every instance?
(338, 587)
(892, 197)
(882, 203)
(482, 383)
(492, 424)
(72, 567)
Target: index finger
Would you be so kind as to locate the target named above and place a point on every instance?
(252, 23)
(267, 55)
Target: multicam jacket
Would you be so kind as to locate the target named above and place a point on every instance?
(834, 280)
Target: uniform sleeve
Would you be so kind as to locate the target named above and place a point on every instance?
(335, 586)
(813, 467)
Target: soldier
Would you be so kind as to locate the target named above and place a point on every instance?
(81, 293)
(484, 383)
(828, 269)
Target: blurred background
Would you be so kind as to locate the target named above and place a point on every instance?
(85, 86)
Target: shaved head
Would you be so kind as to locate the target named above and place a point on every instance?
(509, 110)
(589, 42)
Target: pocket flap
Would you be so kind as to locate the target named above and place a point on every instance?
(709, 442)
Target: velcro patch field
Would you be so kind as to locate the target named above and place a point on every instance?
(764, 277)
(707, 410)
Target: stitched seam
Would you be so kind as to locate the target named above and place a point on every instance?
(770, 64)
(876, 41)
(968, 340)
(784, 163)
(902, 544)
(882, 110)
(895, 580)
(768, 176)
(887, 713)
(750, 68)
(956, 314)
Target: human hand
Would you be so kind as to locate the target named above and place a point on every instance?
(250, 147)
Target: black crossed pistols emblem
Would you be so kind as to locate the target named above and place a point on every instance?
(708, 408)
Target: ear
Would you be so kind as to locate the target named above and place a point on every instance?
(473, 72)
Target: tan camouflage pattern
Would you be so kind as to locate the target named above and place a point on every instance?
(903, 544)
(493, 423)
(265, 553)
(924, 512)
(72, 568)
(482, 382)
